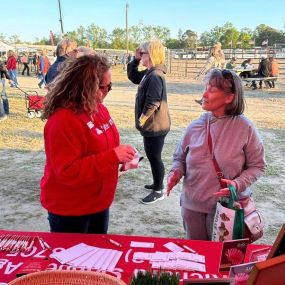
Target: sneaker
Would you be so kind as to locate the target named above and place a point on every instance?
(151, 187)
(153, 197)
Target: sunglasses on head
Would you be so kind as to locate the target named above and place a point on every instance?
(142, 53)
(229, 76)
(109, 87)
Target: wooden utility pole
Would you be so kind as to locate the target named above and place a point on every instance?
(60, 19)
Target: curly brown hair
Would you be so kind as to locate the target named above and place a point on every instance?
(77, 84)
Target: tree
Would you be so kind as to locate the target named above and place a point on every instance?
(81, 35)
(14, 39)
(150, 32)
(174, 44)
(230, 35)
(71, 35)
(189, 39)
(135, 36)
(264, 32)
(118, 39)
(99, 36)
(246, 37)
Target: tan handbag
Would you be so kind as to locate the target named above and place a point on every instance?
(254, 222)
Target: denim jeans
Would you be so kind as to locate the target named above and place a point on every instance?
(13, 75)
(43, 81)
(93, 223)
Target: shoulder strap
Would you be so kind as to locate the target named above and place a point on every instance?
(219, 172)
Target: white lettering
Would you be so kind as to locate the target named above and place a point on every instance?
(3, 262)
(10, 268)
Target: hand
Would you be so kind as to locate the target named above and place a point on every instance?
(225, 192)
(143, 118)
(125, 153)
(138, 53)
(173, 178)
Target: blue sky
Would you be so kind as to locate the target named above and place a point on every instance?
(32, 19)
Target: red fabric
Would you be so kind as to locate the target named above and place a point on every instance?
(10, 264)
(46, 65)
(81, 171)
(11, 63)
(36, 102)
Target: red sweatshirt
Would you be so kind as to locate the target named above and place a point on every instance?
(81, 171)
(11, 63)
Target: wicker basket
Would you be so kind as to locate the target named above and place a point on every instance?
(66, 277)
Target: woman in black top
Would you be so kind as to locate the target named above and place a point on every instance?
(151, 109)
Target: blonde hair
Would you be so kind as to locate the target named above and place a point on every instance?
(156, 51)
(11, 53)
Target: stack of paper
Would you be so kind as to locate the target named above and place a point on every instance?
(174, 260)
(83, 255)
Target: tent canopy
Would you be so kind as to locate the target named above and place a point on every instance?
(5, 47)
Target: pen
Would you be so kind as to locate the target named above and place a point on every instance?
(186, 247)
(46, 244)
(41, 243)
(113, 241)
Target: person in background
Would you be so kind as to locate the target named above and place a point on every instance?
(231, 64)
(248, 69)
(25, 62)
(65, 48)
(274, 69)
(4, 108)
(236, 146)
(216, 59)
(35, 61)
(82, 147)
(151, 110)
(43, 67)
(12, 68)
(262, 71)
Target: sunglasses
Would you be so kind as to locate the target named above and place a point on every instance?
(229, 77)
(142, 53)
(109, 87)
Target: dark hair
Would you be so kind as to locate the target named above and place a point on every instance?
(76, 86)
(229, 82)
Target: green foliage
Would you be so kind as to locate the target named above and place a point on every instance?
(264, 32)
(228, 35)
(162, 278)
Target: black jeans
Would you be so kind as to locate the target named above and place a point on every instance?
(153, 147)
(26, 67)
(92, 224)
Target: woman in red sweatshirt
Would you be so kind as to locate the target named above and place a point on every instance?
(82, 146)
(12, 67)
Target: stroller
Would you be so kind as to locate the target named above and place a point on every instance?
(34, 103)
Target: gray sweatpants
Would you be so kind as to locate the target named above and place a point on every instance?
(198, 226)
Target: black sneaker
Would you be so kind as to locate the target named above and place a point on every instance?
(151, 187)
(153, 197)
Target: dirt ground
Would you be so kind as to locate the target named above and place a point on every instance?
(22, 160)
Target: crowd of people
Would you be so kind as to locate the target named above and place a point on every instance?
(84, 153)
